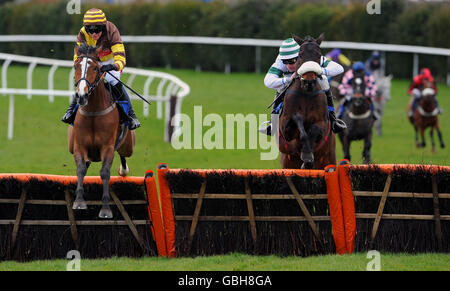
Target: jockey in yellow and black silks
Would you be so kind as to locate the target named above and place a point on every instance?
(97, 31)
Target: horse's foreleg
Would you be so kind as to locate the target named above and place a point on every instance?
(416, 136)
(440, 137)
(367, 147)
(105, 174)
(345, 145)
(79, 202)
(123, 168)
(422, 136)
(433, 146)
(306, 154)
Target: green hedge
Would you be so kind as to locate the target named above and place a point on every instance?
(424, 24)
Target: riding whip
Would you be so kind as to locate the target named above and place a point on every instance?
(137, 94)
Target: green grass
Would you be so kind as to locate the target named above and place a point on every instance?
(40, 146)
(242, 262)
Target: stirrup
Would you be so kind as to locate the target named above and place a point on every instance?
(69, 117)
(133, 123)
(338, 125)
(266, 128)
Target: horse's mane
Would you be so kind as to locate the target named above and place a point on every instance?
(86, 49)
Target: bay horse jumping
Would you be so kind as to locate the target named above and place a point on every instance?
(96, 133)
(305, 137)
(426, 115)
(359, 119)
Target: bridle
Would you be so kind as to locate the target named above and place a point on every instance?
(304, 82)
(98, 77)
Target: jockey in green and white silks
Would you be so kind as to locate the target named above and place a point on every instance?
(281, 74)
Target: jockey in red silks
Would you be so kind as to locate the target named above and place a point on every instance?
(416, 87)
(358, 69)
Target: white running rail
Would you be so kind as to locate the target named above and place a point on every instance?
(164, 86)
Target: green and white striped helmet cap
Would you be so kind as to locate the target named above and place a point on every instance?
(289, 49)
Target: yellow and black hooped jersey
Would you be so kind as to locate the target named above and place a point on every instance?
(111, 42)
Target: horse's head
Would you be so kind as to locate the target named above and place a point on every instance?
(87, 71)
(308, 64)
(384, 85)
(428, 95)
(359, 88)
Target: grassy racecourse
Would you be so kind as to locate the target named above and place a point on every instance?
(39, 146)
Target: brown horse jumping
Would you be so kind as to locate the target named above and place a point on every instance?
(424, 116)
(96, 133)
(305, 136)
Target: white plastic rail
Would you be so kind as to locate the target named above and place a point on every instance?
(166, 85)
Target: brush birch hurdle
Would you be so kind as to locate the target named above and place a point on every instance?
(170, 217)
(344, 200)
(153, 221)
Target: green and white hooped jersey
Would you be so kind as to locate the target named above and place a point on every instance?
(278, 76)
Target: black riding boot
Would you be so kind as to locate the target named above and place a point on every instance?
(122, 95)
(267, 126)
(337, 125)
(69, 116)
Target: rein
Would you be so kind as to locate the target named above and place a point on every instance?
(98, 77)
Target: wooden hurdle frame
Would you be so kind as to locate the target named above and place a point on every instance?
(162, 221)
(148, 181)
(340, 196)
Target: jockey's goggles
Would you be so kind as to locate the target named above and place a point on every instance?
(94, 28)
(290, 61)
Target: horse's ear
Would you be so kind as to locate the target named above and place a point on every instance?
(298, 39)
(320, 38)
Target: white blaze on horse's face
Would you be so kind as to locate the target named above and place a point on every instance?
(83, 87)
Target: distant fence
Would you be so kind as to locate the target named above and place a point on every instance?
(257, 43)
(167, 89)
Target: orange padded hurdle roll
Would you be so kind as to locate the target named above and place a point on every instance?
(348, 205)
(335, 206)
(67, 180)
(167, 209)
(154, 213)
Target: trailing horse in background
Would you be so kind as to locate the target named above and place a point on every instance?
(305, 136)
(383, 96)
(96, 133)
(336, 81)
(424, 116)
(359, 119)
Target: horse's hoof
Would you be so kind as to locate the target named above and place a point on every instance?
(442, 145)
(123, 172)
(79, 205)
(307, 165)
(105, 213)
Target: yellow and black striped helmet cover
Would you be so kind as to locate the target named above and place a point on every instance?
(94, 16)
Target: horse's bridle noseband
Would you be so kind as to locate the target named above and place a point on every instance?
(98, 78)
